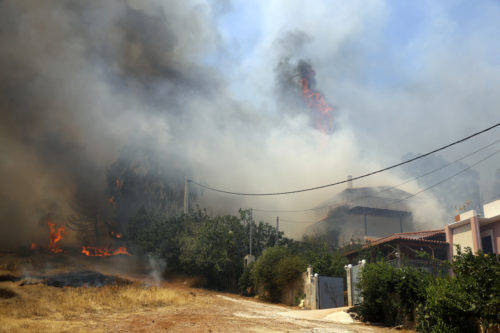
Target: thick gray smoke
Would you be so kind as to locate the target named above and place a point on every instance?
(83, 81)
(99, 96)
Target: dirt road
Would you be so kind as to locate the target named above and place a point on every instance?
(171, 306)
(230, 313)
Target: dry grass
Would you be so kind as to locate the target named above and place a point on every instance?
(38, 308)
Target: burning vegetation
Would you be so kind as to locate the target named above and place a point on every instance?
(315, 101)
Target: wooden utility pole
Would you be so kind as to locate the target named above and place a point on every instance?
(186, 196)
(277, 230)
(251, 223)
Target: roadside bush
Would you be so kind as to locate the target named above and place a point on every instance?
(276, 269)
(390, 295)
(461, 303)
(245, 283)
(479, 278)
(447, 308)
(378, 288)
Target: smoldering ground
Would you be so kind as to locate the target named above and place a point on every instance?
(90, 91)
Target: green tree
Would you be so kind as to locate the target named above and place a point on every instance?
(157, 234)
(212, 249)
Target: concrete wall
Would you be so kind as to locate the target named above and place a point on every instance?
(492, 209)
(310, 285)
(462, 236)
(469, 228)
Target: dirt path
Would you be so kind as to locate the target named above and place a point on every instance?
(172, 306)
(228, 313)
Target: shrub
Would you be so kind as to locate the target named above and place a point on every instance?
(245, 283)
(378, 288)
(461, 303)
(447, 308)
(390, 295)
(276, 269)
(479, 278)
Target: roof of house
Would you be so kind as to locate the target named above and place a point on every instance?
(421, 236)
(414, 236)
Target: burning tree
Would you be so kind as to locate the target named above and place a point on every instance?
(297, 88)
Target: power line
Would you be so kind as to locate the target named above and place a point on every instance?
(354, 178)
(448, 178)
(433, 185)
(387, 188)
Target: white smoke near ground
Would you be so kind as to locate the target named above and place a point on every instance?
(156, 267)
(84, 82)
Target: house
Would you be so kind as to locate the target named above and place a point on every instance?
(404, 247)
(474, 231)
(361, 212)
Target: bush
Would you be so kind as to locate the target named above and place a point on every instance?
(461, 303)
(378, 288)
(479, 278)
(447, 308)
(390, 295)
(275, 270)
(246, 283)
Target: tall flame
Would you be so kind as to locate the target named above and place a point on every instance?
(316, 102)
(55, 237)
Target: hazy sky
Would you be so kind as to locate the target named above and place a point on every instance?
(407, 76)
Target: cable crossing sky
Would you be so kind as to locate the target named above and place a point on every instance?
(354, 178)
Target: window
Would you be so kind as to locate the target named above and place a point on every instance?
(487, 241)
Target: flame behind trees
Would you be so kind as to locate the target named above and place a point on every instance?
(314, 100)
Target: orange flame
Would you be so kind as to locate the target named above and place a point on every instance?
(55, 237)
(92, 251)
(33, 246)
(116, 235)
(316, 102)
(111, 200)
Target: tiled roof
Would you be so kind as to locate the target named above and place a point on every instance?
(420, 236)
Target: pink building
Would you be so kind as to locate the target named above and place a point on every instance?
(474, 231)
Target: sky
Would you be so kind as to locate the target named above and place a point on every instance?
(412, 74)
(404, 76)
(208, 90)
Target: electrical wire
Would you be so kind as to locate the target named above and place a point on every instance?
(384, 189)
(431, 186)
(354, 178)
(447, 178)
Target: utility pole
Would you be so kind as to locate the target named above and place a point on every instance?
(277, 230)
(186, 196)
(251, 223)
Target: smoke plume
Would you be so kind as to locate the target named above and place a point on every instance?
(107, 106)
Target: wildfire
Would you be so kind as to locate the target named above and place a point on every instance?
(315, 100)
(116, 235)
(55, 237)
(33, 246)
(92, 251)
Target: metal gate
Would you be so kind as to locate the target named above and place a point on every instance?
(330, 292)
